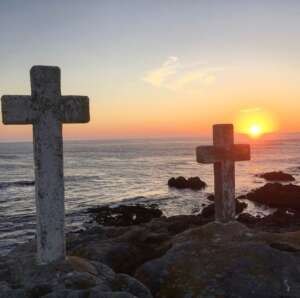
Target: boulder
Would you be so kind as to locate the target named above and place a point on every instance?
(125, 248)
(74, 277)
(194, 183)
(179, 182)
(276, 195)
(124, 251)
(222, 260)
(277, 176)
(129, 284)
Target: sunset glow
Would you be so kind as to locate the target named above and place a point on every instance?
(255, 131)
(255, 122)
(143, 81)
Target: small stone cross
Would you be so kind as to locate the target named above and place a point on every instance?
(223, 154)
(46, 109)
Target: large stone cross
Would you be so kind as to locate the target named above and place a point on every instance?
(46, 109)
(223, 155)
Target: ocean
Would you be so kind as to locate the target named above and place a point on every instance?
(127, 172)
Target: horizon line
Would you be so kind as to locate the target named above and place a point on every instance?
(276, 135)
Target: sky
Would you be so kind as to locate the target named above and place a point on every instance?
(159, 68)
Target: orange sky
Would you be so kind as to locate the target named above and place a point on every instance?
(227, 63)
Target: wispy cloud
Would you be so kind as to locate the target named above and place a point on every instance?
(158, 77)
(172, 74)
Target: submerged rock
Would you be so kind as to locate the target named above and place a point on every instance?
(276, 195)
(194, 183)
(277, 176)
(125, 215)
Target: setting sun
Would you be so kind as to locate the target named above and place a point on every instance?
(255, 122)
(255, 130)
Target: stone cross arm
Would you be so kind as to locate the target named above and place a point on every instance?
(18, 109)
(45, 97)
(213, 154)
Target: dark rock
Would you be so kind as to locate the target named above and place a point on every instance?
(280, 220)
(194, 183)
(125, 215)
(179, 256)
(124, 248)
(218, 260)
(240, 206)
(211, 198)
(179, 182)
(209, 211)
(284, 247)
(247, 218)
(277, 176)
(91, 293)
(172, 182)
(39, 290)
(79, 280)
(94, 293)
(67, 294)
(179, 223)
(15, 293)
(74, 278)
(276, 195)
(127, 283)
(125, 252)
(280, 217)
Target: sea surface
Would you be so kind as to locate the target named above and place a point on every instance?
(127, 172)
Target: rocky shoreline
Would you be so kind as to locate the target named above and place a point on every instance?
(135, 251)
(165, 257)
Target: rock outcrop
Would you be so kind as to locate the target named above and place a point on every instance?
(124, 215)
(281, 220)
(276, 195)
(194, 183)
(177, 257)
(223, 260)
(75, 277)
(277, 176)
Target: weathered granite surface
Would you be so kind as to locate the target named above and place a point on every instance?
(21, 276)
(226, 260)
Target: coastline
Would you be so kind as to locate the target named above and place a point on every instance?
(145, 260)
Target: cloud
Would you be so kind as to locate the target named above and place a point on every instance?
(159, 76)
(176, 76)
